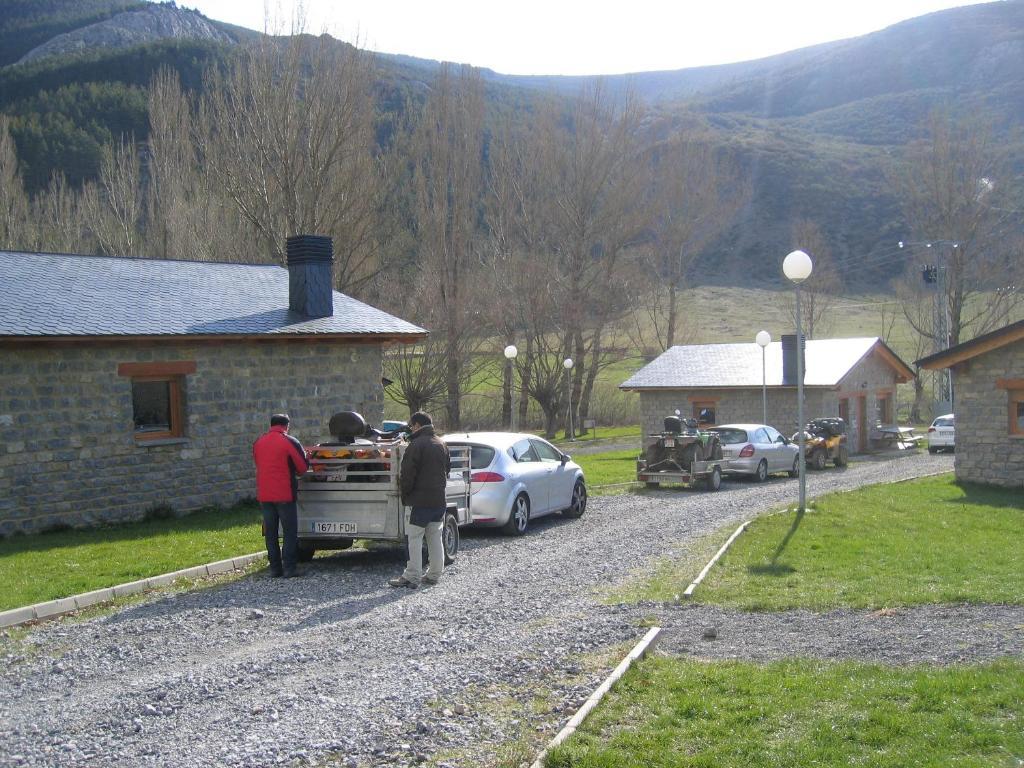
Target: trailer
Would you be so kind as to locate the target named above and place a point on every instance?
(351, 491)
(681, 454)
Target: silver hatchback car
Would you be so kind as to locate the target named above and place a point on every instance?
(757, 450)
(517, 477)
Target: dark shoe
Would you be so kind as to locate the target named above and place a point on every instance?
(276, 573)
(291, 574)
(429, 582)
(401, 581)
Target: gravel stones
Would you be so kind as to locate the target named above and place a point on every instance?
(337, 665)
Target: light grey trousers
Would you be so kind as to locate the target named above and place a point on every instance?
(435, 551)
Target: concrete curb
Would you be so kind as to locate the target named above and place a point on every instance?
(700, 576)
(639, 651)
(59, 607)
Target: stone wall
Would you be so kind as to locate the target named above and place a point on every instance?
(737, 406)
(985, 451)
(871, 379)
(68, 454)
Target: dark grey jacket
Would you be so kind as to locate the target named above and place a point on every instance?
(424, 471)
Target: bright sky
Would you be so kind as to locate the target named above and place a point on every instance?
(575, 37)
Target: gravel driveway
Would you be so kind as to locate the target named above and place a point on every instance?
(337, 668)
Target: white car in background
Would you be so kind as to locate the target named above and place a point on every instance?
(941, 434)
(518, 477)
(757, 450)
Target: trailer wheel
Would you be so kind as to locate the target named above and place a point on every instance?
(304, 552)
(450, 538)
(714, 481)
(653, 485)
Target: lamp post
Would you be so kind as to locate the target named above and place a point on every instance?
(510, 355)
(797, 268)
(763, 339)
(567, 364)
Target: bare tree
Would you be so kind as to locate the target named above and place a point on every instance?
(115, 203)
(288, 135)
(695, 190)
(955, 189)
(590, 159)
(817, 292)
(446, 149)
(60, 219)
(15, 229)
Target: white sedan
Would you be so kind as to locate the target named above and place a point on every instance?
(517, 477)
(757, 450)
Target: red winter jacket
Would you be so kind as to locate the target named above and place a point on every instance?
(279, 459)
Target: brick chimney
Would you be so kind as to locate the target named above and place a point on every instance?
(789, 358)
(310, 284)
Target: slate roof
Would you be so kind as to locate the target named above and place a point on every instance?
(714, 366)
(60, 295)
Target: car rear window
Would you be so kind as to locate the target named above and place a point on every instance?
(730, 436)
(480, 456)
(943, 423)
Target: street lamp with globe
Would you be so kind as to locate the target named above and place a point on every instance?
(763, 339)
(797, 268)
(510, 355)
(567, 364)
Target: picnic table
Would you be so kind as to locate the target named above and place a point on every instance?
(895, 436)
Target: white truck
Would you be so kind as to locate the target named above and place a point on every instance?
(351, 491)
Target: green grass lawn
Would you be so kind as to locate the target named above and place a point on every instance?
(609, 467)
(670, 712)
(630, 432)
(919, 542)
(60, 564)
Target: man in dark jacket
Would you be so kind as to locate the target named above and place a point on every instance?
(279, 461)
(423, 477)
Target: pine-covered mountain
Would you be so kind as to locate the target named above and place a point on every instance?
(814, 128)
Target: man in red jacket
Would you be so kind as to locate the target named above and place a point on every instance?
(279, 461)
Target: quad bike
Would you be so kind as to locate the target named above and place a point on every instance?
(681, 453)
(824, 441)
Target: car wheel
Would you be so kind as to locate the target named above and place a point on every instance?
(519, 517)
(842, 458)
(795, 471)
(304, 553)
(762, 471)
(652, 485)
(932, 451)
(578, 505)
(818, 460)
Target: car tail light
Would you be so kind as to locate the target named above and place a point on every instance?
(486, 477)
(747, 451)
(931, 429)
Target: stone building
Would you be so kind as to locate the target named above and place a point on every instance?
(988, 405)
(130, 384)
(722, 384)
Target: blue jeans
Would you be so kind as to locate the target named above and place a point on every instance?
(285, 513)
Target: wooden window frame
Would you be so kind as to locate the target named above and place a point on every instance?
(173, 373)
(697, 405)
(886, 396)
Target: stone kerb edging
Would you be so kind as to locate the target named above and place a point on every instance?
(700, 576)
(53, 608)
(638, 652)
